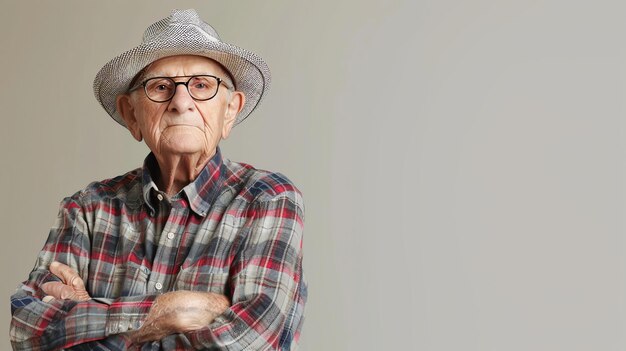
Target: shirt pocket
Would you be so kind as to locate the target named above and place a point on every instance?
(202, 279)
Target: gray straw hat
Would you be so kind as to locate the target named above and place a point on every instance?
(182, 33)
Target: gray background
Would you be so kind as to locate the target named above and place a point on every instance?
(462, 162)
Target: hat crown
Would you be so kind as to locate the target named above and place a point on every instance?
(177, 18)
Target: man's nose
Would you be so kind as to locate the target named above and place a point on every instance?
(181, 101)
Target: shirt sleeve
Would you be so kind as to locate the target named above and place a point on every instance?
(60, 324)
(267, 282)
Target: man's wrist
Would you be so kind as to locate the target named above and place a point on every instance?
(128, 313)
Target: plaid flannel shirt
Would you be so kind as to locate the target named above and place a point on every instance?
(234, 230)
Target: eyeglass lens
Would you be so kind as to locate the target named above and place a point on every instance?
(161, 89)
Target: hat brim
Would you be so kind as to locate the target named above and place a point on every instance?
(250, 73)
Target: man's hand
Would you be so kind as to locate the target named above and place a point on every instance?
(179, 312)
(71, 286)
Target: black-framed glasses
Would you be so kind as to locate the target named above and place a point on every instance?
(200, 87)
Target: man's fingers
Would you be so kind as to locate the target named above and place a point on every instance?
(65, 272)
(76, 282)
(62, 291)
(72, 285)
(58, 290)
(67, 275)
(81, 295)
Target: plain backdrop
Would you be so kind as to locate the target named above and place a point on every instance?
(462, 161)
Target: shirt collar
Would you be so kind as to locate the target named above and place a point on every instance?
(201, 193)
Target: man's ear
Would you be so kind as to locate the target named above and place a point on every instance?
(127, 111)
(235, 105)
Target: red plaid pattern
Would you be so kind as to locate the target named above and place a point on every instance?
(235, 230)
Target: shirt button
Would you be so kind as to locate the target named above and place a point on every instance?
(170, 236)
(146, 270)
(160, 197)
(158, 286)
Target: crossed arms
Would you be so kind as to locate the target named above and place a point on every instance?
(172, 312)
(54, 311)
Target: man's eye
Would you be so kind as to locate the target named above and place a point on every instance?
(200, 86)
(161, 87)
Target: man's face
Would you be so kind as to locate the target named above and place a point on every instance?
(182, 125)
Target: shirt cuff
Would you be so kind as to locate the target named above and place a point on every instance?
(128, 313)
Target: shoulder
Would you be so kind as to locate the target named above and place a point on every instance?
(258, 185)
(123, 187)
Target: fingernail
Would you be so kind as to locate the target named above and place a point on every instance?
(47, 298)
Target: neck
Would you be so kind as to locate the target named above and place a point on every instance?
(176, 171)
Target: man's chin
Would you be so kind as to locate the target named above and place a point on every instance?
(183, 145)
(182, 150)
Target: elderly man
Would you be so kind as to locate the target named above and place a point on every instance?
(191, 251)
